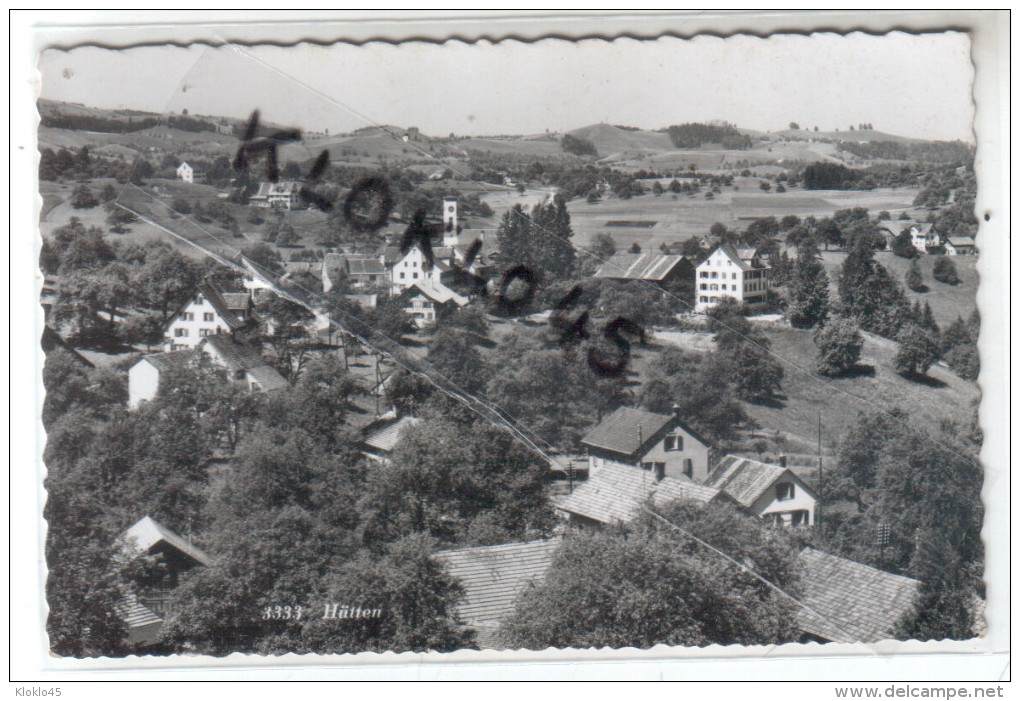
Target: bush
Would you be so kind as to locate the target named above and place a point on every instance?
(945, 271)
(913, 278)
(83, 198)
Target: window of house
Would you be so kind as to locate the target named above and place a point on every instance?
(688, 467)
(704, 273)
(800, 518)
(207, 316)
(704, 285)
(239, 374)
(199, 299)
(180, 333)
(784, 491)
(401, 276)
(734, 276)
(415, 276)
(188, 316)
(715, 275)
(674, 442)
(205, 332)
(704, 298)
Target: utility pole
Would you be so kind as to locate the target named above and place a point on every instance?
(821, 492)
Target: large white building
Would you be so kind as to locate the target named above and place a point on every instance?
(731, 272)
(186, 173)
(207, 313)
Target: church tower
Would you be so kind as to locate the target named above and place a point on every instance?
(450, 227)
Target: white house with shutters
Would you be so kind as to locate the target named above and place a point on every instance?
(732, 272)
(772, 492)
(207, 313)
(186, 173)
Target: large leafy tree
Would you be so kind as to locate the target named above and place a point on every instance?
(648, 584)
(839, 345)
(917, 352)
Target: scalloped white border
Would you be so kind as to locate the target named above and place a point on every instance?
(985, 658)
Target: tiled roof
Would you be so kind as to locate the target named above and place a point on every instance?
(148, 532)
(617, 492)
(133, 612)
(51, 340)
(619, 431)
(638, 266)
(365, 266)
(283, 187)
(961, 240)
(168, 362)
(384, 435)
(494, 576)
(437, 292)
(851, 602)
(236, 357)
(268, 377)
(744, 479)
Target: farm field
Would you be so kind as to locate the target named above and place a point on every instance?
(678, 217)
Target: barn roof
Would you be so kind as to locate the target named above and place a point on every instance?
(958, 241)
(653, 267)
(133, 612)
(619, 431)
(236, 357)
(851, 602)
(437, 292)
(493, 577)
(617, 492)
(148, 532)
(365, 266)
(745, 480)
(168, 362)
(384, 434)
(268, 377)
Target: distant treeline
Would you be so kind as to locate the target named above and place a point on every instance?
(693, 135)
(107, 125)
(924, 152)
(112, 125)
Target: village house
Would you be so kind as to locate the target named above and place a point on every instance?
(661, 443)
(285, 194)
(188, 174)
(361, 270)
(209, 312)
(618, 493)
(426, 302)
(381, 436)
(771, 492)
(243, 366)
(850, 602)
(144, 608)
(922, 235)
(960, 246)
(492, 577)
(730, 272)
(657, 268)
(407, 268)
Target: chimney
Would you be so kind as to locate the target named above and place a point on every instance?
(676, 412)
(782, 461)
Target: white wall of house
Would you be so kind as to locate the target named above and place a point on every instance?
(449, 221)
(143, 383)
(682, 454)
(410, 269)
(422, 310)
(796, 508)
(719, 276)
(186, 173)
(193, 323)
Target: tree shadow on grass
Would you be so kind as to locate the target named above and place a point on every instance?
(922, 379)
(859, 370)
(776, 401)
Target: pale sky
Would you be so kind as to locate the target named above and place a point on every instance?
(904, 84)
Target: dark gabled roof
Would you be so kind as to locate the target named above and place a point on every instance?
(618, 432)
(494, 576)
(746, 480)
(168, 362)
(616, 493)
(851, 602)
(365, 266)
(653, 267)
(148, 532)
(268, 377)
(237, 357)
(383, 435)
